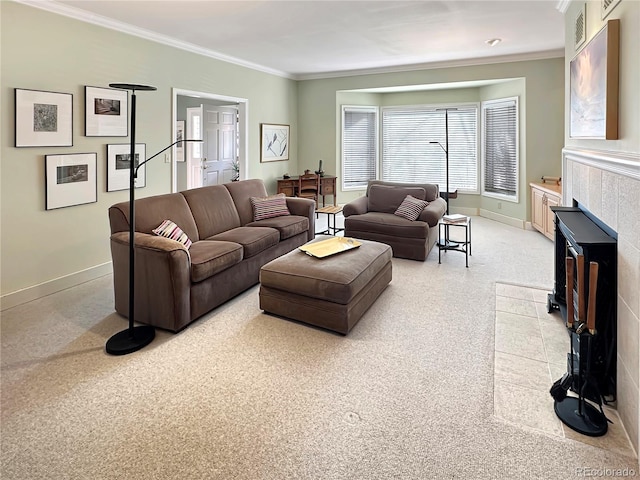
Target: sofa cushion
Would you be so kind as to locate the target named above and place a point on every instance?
(288, 225)
(269, 207)
(241, 191)
(213, 209)
(253, 239)
(387, 198)
(431, 189)
(411, 208)
(209, 258)
(152, 211)
(170, 230)
(387, 224)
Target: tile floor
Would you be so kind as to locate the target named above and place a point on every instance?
(531, 348)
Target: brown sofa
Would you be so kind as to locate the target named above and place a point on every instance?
(175, 285)
(372, 217)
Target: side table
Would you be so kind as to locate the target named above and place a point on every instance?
(331, 212)
(444, 242)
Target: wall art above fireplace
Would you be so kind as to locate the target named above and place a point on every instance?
(594, 86)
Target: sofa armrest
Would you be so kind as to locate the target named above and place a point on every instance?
(144, 240)
(304, 207)
(356, 207)
(162, 279)
(433, 212)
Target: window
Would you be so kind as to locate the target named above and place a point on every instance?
(500, 148)
(409, 154)
(359, 146)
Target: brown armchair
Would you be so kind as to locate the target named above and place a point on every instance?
(309, 186)
(372, 217)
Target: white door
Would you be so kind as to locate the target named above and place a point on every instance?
(194, 149)
(220, 144)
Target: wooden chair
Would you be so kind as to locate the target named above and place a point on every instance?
(309, 186)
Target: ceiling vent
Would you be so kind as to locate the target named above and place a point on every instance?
(607, 6)
(580, 30)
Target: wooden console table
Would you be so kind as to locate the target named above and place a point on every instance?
(289, 186)
(543, 197)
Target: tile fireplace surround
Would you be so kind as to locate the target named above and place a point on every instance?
(608, 185)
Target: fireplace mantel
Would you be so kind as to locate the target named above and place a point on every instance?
(626, 164)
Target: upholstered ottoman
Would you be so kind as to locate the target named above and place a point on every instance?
(332, 292)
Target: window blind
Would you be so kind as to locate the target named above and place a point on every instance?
(359, 146)
(408, 155)
(500, 147)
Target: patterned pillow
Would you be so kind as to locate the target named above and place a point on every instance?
(411, 208)
(269, 207)
(174, 232)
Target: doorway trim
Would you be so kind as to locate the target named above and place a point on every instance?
(243, 123)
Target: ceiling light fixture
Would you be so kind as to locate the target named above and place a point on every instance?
(493, 42)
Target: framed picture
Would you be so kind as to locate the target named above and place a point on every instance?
(594, 86)
(106, 112)
(119, 165)
(274, 142)
(70, 180)
(43, 119)
(180, 137)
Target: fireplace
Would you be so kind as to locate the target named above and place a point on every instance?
(607, 183)
(583, 238)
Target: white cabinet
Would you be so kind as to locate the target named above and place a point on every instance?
(544, 196)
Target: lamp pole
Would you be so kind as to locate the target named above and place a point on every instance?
(133, 338)
(446, 149)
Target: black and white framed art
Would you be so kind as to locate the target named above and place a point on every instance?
(119, 165)
(43, 119)
(106, 112)
(70, 180)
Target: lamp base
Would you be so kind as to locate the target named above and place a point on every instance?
(130, 340)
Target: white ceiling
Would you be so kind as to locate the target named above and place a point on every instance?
(310, 39)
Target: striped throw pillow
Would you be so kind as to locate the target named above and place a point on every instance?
(174, 232)
(411, 208)
(269, 207)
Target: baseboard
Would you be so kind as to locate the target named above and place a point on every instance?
(28, 294)
(469, 211)
(514, 222)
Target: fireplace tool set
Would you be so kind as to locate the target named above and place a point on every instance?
(576, 412)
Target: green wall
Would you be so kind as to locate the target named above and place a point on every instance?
(44, 247)
(45, 51)
(629, 84)
(538, 83)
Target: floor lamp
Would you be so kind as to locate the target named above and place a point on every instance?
(447, 243)
(446, 151)
(133, 338)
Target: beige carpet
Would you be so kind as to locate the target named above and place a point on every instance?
(408, 394)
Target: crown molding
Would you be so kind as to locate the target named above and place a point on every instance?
(84, 16)
(468, 62)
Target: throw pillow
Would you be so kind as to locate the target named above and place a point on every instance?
(174, 232)
(411, 208)
(269, 207)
